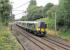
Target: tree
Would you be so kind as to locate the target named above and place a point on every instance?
(34, 11)
(31, 8)
(51, 17)
(24, 18)
(46, 8)
(12, 18)
(51, 11)
(38, 13)
(63, 14)
(5, 10)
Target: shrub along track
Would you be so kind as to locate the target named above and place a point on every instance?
(54, 45)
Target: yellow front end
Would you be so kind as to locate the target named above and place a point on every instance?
(38, 29)
(41, 29)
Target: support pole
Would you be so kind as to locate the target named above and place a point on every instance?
(55, 24)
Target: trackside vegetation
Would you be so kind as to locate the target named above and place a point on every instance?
(65, 34)
(7, 40)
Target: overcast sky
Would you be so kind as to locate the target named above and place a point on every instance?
(19, 6)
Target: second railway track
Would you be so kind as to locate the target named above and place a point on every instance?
(59, 40)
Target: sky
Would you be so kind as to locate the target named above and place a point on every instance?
(20, 6)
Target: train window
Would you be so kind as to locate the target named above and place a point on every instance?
(23, 24)
(31, 25)
(45, 25)
(42, 25)
(19, 22)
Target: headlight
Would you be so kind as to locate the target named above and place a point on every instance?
(38, 29)
(42, 30)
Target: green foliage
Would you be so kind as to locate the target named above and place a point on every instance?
(37, 12)
(31, 8)
(65, 34)
(12, 18)
(47, 7)
(33, 2)
(34, 12)
(63, 13)
(5, 10)
(51, 11)
(51, 23)
(24, 18)
(7, 41)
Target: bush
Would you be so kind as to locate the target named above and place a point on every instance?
(65, 34)
(7, 41)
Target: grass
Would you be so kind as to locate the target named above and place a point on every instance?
(7, 41)
(65, 35)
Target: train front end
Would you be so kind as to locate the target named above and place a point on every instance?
(41, 28)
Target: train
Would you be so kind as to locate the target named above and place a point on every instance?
(38, 28)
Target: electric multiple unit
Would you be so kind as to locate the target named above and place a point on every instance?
(36, 27)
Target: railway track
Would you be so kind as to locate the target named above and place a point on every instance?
(59, 40)
(54, 45)
(66, 47)
(18, 37)
(20, 43)
(14, 33)
(38, 43)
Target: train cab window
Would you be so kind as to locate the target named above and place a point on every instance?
(42, 25)
(45, 25)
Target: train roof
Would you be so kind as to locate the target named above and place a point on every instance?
(28, 21)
